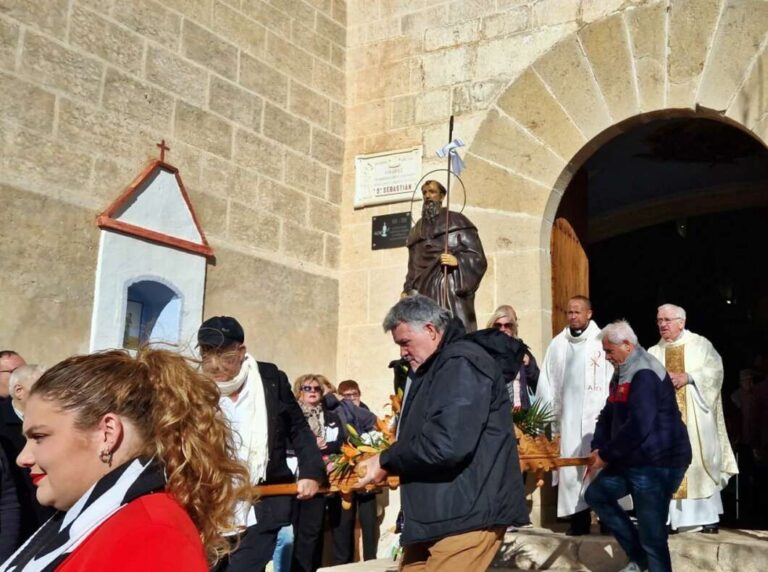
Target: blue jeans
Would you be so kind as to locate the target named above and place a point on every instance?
(283, 550)
(651, 489)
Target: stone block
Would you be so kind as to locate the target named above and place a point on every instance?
(330, 29)
(100, 37)
(691, 24)
(38, 161)
(302, 243)
(176, 74)
(740, 556)
(606, 47)
(255, 152)
(338, 56)
(451, 36)
(647, 31)
(125, 94)
(288, 58)
(339, 11)
(263, 79)
(403, 111)
(327, 148)
(338, 118)
(552, 12)
(493, 187)
(9, 43)
(360, 11)
(150, 19)
(309, 104)
(740, 34)
(209, 50)
(507, 56)
(329, 80)
(391, 79)
(110, 178)
(592, 10)
(353, 297)
(52, 64)
(334, 191)
(448, 67)
(283, 201)
(305, 174)
(286, 128)
(217, 176)
(324, 216)
(412, 23)
(53, 246)
(511, 22)
(27, 104)
(433, 106)
(310, 40)
(502, 141)
(95, 130)
(475, 96)
(566, 72)
(235, 103)
(253, 228)
(356, 246)
(751, 103)
(101, 6)
(203, 129)
(530, 103)
(332, 252)
(250, 280)
(211, 212)
(505, 232)
(242, 32)
(296, 9)
(246, 188)
(269, 16)
(366, 119)
(384, 288)
(48, 16)
(197, 10)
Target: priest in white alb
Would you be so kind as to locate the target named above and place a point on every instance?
(696, 370)
(574, 380)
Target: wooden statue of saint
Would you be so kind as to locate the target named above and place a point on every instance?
(465, 261)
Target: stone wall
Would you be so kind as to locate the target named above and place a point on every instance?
(250, 97)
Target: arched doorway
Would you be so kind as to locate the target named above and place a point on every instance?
(674, 210)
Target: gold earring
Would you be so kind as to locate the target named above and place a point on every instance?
(106, 457)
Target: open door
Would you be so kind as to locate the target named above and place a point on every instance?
(570, 265)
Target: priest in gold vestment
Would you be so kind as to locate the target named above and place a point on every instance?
(696, 370)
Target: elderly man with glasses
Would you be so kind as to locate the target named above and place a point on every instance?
(257, 399)
(696, 370)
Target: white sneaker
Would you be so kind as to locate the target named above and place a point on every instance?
(633, 567)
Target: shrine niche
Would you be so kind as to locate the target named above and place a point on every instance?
(150, 275)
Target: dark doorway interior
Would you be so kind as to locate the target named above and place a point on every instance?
(677, 211)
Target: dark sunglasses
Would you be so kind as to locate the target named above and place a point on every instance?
(310, 389)
(499, 326)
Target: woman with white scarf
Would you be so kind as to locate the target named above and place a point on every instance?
(330, 435)
(135, 456)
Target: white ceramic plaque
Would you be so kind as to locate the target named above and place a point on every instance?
(386, 177)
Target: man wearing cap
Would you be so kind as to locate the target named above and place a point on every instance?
(257, 399)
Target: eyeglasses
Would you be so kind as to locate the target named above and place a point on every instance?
(9, 370)
(229, 358)
(500, 326)
(661, 321)
(311, 388)
(350, 394)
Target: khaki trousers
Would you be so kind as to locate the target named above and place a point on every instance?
(468, 552)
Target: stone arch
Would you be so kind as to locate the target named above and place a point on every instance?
(703, 59)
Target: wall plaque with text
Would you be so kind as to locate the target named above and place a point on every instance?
(386, 177)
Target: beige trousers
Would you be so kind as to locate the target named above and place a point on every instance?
(468, 552)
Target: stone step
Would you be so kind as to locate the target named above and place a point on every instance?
(542, 549)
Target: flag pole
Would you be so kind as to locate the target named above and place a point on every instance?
(447, 217)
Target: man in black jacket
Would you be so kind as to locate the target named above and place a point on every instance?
(456, 454)
(257, 400)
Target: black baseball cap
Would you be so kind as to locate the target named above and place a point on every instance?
(220, 332)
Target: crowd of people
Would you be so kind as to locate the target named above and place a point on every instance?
(150, 460)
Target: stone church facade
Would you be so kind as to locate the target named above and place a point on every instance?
(266, 104)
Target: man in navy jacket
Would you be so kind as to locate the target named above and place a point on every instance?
(456, 454)
(642, 445)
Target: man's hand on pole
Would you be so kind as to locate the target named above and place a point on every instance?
(374, 474)
(307, 488)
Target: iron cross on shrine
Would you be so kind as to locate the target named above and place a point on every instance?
(163, 148)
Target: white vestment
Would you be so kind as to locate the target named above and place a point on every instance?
(574, 380)
(713, 462)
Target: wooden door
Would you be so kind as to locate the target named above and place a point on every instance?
(570, 271)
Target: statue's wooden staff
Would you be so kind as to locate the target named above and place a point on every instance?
(444, 293)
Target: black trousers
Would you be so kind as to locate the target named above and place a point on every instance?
(343, 527)
(257, 545)
(309, 516)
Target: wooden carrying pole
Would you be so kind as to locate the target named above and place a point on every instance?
(444, 295)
